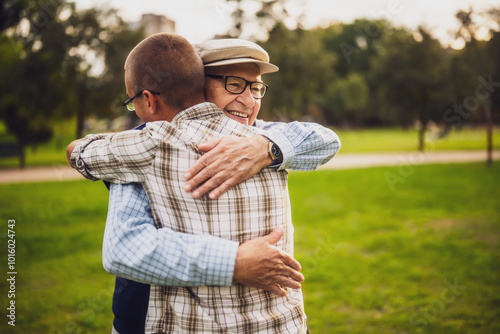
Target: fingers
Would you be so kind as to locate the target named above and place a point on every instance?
(209, 145)
(211, 168)
(209, 159)
(212, 181)
(287, 282)
(217, 178)
(228, 161)
(292, 275)
(217, 192)
(214, 184)
(280, 270)
(291, 262)
(201, 164)
(205, 169)
(277, 290)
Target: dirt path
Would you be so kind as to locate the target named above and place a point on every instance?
(365, 160)
(59, 172)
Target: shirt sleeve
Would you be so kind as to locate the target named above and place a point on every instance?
(119, 158)
(134, 248)
(305, 146)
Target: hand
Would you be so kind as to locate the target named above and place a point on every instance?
(262, 265)
(228, 161)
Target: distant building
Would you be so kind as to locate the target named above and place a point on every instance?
(154, 24)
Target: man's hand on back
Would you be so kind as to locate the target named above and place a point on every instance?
(228, 161)
(262, 265)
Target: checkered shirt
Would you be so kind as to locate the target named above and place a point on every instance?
(158, 157)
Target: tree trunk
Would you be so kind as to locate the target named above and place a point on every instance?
(22, 157)
(489, 133)
(424, 118)
(421, 136)
(80, 118)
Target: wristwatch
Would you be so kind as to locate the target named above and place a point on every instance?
(274, 152)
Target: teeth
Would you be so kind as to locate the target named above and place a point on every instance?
(235, 113)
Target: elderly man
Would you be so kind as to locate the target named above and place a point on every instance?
(230, 69)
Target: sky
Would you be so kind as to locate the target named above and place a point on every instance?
(199, 20)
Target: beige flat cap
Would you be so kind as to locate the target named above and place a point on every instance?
(218, 52)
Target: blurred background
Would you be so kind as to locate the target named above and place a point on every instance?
(366, 64)
(401, 249)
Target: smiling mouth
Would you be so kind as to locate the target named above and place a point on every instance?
(238, 114)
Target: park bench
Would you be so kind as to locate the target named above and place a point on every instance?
(12, 149)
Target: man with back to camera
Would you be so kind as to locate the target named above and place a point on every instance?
(219, 87)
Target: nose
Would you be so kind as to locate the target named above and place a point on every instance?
(246, 98)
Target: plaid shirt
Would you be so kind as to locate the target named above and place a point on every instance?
(158, 156)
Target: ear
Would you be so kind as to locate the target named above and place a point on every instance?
(151, 101)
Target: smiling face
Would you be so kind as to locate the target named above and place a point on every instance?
(242, 107)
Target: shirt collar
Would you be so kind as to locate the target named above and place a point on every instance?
(199, 111)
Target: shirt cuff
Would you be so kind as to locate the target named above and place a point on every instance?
(221, 257)
(76, 159)
(285, 145)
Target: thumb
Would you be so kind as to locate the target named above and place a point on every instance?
(209, 145)
(275, 236)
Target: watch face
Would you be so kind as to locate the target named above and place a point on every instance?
(275, 150)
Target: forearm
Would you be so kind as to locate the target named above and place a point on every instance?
(133, 248)
(305, 146)
(120, 158)
(169, 258)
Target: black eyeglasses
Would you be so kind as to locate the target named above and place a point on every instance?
(130, 102)
(237, 85)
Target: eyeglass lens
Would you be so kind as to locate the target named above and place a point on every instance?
(237, 85)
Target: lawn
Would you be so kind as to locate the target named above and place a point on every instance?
(52, 153)
(422, 256)
(387, 140)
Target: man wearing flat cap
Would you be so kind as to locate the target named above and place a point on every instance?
(195, 272)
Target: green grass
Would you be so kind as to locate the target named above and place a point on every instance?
(353, 141)
(61, 286)
(376, 259)
(51, 153)
(387, 140)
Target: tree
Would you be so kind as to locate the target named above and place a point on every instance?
(493, 109)
(305, 73)
(269, 14)
(28, 102)
(357, 47)
(47, 73)
(413, 78)
(107, 37)
(355, 44)
(480, 58)
(347, 98)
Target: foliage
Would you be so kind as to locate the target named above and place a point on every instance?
(350, 95)
(355, 44)
(414, 77)
(364, 73)
(302, 79)
(371, 265)
(370, 73)
(267, 14)
(47, 56)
